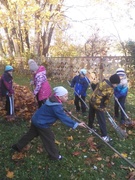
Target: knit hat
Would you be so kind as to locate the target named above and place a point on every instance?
(8, 68)
(32, 65)
(120, 71)
(83, 71)
(60, 91)
(114, 79)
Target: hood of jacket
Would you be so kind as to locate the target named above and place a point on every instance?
(41, 69)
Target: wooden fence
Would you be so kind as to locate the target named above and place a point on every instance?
(97, 67)
(67, 67)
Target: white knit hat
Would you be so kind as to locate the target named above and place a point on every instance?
(32, 65)
(60, 91)
(83, 71)
(120, 71)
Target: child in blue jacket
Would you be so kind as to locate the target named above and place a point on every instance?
(44, 118)
(80, 83)
(120, 92)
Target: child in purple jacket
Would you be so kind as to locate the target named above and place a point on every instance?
(7, 91)
(42, 88)
(44, 118)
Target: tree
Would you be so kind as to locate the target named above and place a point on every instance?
(97, 46)
(29, 25)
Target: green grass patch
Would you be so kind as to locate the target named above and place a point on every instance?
(80, 162)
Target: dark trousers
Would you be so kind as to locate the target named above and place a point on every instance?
(77, 103)
(100, 117)
(9, 105)
(46, 136)
(116, 107)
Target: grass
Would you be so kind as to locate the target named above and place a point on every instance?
(82, 161)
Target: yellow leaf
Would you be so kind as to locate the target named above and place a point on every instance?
(57, 142)
(70, 138)
(124, 155)
(10, 174)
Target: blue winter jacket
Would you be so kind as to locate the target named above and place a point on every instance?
(49, 113)
(122, 88)
(120, 91)
(80, 85)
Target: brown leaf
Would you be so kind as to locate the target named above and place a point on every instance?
(131, 175)
(18, 156)
(76, 153)
(91, 143)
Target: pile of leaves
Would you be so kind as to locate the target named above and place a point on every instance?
(24, 102)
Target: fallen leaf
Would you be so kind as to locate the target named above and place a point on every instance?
(124, 155)
(115, 156)
(70, 138)
(18, 156)
(57, 142)
(91, 143)
(130, 132)
(99, 158)
(40, 149)
(76, 153)
(10, 174)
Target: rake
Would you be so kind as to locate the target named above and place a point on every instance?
(95, 133)
(129, 119)
(122, 133)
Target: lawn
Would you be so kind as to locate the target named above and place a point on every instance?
(85, 156)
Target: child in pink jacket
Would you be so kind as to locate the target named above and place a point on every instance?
(42, 89)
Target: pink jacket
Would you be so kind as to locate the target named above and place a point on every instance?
(42, 86)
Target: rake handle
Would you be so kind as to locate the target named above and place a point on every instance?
(116, 99)
(129, 162)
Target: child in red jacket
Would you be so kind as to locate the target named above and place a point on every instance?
(42, 88)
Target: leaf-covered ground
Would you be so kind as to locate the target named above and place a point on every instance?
(85, 156)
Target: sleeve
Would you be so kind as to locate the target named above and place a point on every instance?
(73, 82)
(38, 82)
(8, 84)
(62, 116)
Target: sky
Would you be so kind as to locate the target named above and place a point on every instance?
(85, 17)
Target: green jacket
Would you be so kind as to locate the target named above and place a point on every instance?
(101, 95)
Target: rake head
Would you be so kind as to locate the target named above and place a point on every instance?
(121, 132)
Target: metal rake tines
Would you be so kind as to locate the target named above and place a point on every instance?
(113, 123)
(122, 134)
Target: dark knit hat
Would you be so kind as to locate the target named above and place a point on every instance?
(114, 79)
